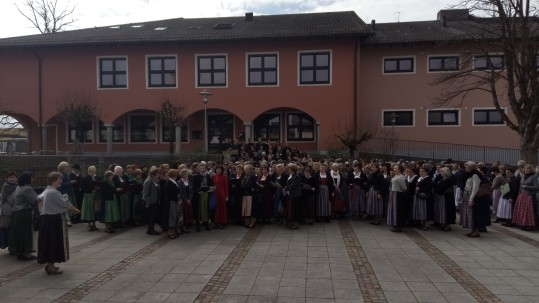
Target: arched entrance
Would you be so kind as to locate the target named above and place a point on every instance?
(13, 136)
(285, 125)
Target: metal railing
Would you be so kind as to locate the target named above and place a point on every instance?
(397, 148)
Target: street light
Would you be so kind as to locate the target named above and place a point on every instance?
(205, 94)
(393, 117)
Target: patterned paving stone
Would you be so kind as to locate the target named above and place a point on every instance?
(35, 267)
(513, 234)
(81, 291)
(215, 288)
(479, 292)
(371, 290)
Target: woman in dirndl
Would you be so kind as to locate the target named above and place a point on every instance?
(249, 186)
(121, 182)
(444, 200)
(220, 181)
(21, 233)
(323, 203)
(476, 205)
(8, 200)
(524, 214)
(358, 201)
(266, 194)
(110, 210)
(53, 242)
(88, 187)
(497, 182)
(308, 195)
(337, 192)
(137, 205)
(507, 200)
(396, 208)
(422, 207)
(375, 206)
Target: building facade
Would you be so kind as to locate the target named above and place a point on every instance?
(293, 79)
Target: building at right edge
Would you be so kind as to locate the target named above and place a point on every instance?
(399, 64)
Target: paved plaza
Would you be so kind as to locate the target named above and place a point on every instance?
(341, 261)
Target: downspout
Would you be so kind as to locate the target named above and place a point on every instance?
(356, 50)
(39, 101)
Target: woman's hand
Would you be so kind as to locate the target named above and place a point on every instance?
(470, 203)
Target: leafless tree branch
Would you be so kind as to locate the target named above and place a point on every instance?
(46, 16)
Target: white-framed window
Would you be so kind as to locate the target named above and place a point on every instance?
(488, 62)
(443, 117)
(314, 67)
(211, 70)
(166, 135)
(142, 128)
(299, 127)
(398, 65)
(112, 72)
(118, 131)
(85, 134)
(443, 63)
(398, 117)
(487, 116)
(161, 71)
(262, 69)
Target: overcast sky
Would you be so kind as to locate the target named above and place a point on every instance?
(92, 13)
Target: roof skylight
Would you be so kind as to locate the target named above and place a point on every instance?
(224, 25)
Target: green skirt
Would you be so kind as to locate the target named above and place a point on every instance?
(87, 211)
(125, 207)
(112, 212)
(21, 232)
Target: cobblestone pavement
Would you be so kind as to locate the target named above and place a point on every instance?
(344, 261)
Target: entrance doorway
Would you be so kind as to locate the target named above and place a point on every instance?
(220, 128)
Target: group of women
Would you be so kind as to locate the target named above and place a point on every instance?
(178, 198)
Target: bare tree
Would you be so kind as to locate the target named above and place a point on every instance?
(172, 115)
(79, 110)
(47, 16)
(352, 138)
(512, 31)
(9, 125)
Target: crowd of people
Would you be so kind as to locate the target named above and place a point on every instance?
(212, 195)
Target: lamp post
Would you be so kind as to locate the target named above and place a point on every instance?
(205, 94)
(393, 117)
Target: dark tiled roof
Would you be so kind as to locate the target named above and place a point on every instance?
(432, 31)
(331, 24)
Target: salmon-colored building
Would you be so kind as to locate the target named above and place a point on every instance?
(294, 79)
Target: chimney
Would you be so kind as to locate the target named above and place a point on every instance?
(249, 16)
(373, 24)
(453, 14)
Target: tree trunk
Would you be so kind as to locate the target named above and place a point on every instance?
(351, 151)
(171, 141)
(528, 152)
